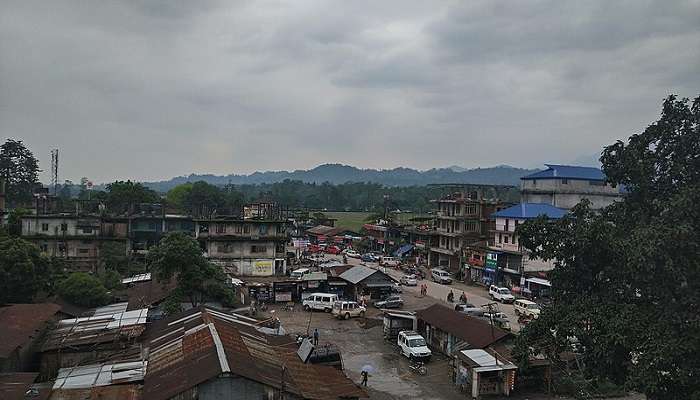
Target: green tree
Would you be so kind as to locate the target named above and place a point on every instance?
(121, 194)
(111, 279)
(177, 196)
(627, 279)
(20, 170)
(14, 221)
(203, 199)
(21, 268)
(178, 255)
(114, 258)
(84, 290)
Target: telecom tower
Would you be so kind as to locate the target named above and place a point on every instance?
(54, 171)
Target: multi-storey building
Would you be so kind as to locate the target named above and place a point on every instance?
(146, 229)
(462, 220)
(76, 238)
(246, 247)
(564, 186)
(506, 260)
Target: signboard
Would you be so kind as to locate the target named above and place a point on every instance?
(419, 244)
(283, 296)
(263, 267)
(491, 261)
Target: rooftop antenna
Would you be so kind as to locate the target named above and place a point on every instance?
(54, 171)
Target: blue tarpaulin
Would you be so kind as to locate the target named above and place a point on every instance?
(403, 250)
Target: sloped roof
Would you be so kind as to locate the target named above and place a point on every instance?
(477, 333)
(19, 323)
(357, 274)
(530, 211)
(200, 344)
(14, 385)
(555, 171)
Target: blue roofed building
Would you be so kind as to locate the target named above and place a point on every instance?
(564, 186)
(506, 261)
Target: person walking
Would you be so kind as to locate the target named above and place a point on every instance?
(463, 298)
(364, 378)
(316, 334)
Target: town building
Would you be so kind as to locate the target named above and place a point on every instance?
(246, 247)
(366, 282)
(330, 234)
(483, 373)
(448, 331)
(505, 259)
(462, 220)
(76, 238)
(207, 354)
(564, 186)
(149, 223)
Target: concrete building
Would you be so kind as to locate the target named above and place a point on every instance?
(76, 238)
(506, 260)
(247, 247)
(564, 186)
(463, 219)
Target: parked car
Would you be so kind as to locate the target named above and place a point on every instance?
(501, 294)
(348, 309)
(413, 345)
(333, 250)
(389, 261)
(396, 288)
(320, 301)
(441, 276)
(470, 309)
(351, 253)
(368, 257)
(392, 301)
(298, 273)
(409, 280)
(526, 308)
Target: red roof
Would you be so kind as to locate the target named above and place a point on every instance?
(20, 323)
(477, 333)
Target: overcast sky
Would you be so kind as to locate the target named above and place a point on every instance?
(154, 89)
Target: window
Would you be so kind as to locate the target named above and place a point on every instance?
(83, 251)
(220, 228)
(246, 228)
(238, 228)
(470, 209)
(507, 224)
(44, 227)
(258, 249)
(87, 230)
(596, 183)
(44, 247)
(224, 248)
(64, 227)
(505, 239)
(500, 238)
(564, 181)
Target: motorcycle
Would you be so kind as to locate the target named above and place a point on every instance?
(418, 367)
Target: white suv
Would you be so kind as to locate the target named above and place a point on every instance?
(412, 345)
(526, 308)
(441, 276)
(320, 301)
(347, 309)
(501, 294)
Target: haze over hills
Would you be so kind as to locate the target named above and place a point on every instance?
(338, 173)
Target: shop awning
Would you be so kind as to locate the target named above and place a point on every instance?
(403, 250)
(539, 281)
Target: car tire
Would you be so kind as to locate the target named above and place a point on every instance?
(326, 310)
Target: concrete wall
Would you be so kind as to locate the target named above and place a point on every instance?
(52, 227)
(567, 195)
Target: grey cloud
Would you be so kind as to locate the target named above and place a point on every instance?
(149, 90)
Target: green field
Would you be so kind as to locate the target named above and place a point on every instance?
(355, 219)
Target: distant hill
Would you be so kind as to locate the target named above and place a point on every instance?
(338, 173)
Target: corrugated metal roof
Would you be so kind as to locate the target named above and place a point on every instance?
(555, 171)
(357, 274)
(88, 376)
(114, 392)
(530, 211)
(477, 333)
(315, 276)
(19, 323)
(200, 344)
(137, 278)
(14, 385)
(484, 361)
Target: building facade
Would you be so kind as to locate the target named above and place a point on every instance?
(564, 186)
(462, 220)
(248, 247)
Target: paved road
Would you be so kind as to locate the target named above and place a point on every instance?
(476, 295)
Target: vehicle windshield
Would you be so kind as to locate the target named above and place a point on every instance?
(419, 342)
(533, 306)
(504, 291)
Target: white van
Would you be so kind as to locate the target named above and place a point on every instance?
(298, 273)
(441, 276)
(526, 308)
(320, 301)
(413, 345)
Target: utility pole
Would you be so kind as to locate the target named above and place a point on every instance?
(54, 171)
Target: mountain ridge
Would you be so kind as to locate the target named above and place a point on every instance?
(340, 173)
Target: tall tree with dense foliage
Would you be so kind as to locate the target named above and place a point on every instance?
(178, 255)
(627, 280)
(24, 272)
(20, 170)
(84, 290)
(121, 194)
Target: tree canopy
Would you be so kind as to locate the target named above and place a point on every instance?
(178, 255)
(83, 289)
(121, 194)
(20, 170)
(626, 286)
